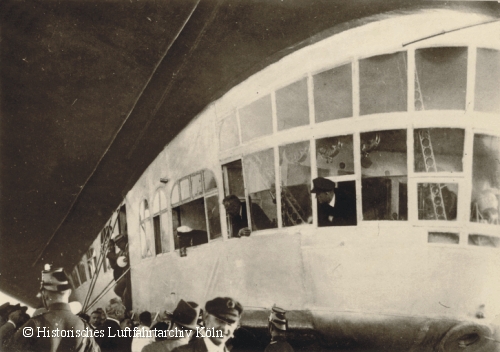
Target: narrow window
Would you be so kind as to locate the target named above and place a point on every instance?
(292, 106)
(295, 172)
(383, 83)
(487, 94)
(384, 175)
(261, 186)
(157, 234)
(333, 94)
(486, 180)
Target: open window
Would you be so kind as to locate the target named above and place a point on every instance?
(195, 214)
(160, 220)
(146, 231)
(384, 176)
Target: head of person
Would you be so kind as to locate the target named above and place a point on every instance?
(278, 324)
(54, 286)
(127, 323)
(160, 326)
(232, 205)
(185, 315)
(223, 314)
(19, 318)
(324, 189)
(115, 309)
(145, 318)
(121, 241)
(103, 314)
(95, 318)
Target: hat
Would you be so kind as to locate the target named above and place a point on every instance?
(54, 279)
(186, 314)
(119, 237)
(225, 308)
(278, 319)
(321, 184)
(184, 229)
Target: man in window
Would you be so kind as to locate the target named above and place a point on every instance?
(237, 213)
(336, 207)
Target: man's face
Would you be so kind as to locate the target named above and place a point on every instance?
(95, 319)
(232, 207)
(325, 197)
(221, 327)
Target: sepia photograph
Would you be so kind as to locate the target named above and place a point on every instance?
(249, 175)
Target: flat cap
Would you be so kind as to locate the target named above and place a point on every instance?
(321, 184)
(225, 308)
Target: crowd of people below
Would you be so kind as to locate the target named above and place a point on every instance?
(56, 328)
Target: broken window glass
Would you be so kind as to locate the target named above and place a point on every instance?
(384, 175)
(295, 171)
(438, 149)
(487, 94)
(261, 187)
(486, 179)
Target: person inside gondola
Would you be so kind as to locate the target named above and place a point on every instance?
(336, 206)
(237, 214)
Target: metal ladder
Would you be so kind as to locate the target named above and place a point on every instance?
(424, 135)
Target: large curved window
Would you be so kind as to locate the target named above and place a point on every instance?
(195, 216)
(487, 91)
(333, 93)
(438, 149)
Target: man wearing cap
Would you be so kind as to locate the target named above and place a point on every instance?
(120, 264)
(221, 318)
(237, 214)
(336, 207)
(184, 323)
(62, 330)
(278, 324)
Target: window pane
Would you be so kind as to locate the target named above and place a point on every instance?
(192, 225)
(292, 105)
(196, 185)
(185, 192)
(157, 234)
(209, 180)
(228, 133)
(233, 179)
(163, 199)
(295, 171)
(484, 241)
(487, 80)
(256, 119)
(213, 215)
(81, 272)
(175, 194)
(333, 94)
(438, 149)
(441, 74)
(383, 83)
(156, 203)
(165, 237)
(443, 237)
(260, 183)
(437, 201)
(486, 179)
(384, 175)
(334, 156)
